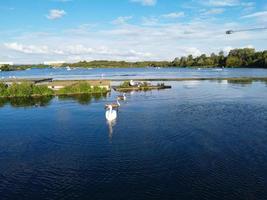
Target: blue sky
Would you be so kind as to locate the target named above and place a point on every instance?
(35, 31)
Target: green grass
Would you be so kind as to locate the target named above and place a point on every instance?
(24, 90)
(81, 88)
(30, 90)
(125, 84)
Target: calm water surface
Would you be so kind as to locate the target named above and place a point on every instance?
(133, 73)
(199, 140)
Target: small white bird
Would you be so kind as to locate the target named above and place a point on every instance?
(111, 114)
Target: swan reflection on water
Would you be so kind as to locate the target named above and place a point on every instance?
(111, 124)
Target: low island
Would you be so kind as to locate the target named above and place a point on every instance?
(61, 88)
(128, 86)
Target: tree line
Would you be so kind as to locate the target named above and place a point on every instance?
(246, 57)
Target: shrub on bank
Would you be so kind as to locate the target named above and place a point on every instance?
(3, 90)
(81, 88)
(42, 90)
(30, 90)
(24, 90)
(20, 90)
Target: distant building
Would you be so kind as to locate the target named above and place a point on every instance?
(6, 63)
(54, 63)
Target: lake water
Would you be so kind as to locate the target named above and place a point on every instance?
(134, 73)
(198, 140)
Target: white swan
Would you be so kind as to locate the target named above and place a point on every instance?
(111, 114)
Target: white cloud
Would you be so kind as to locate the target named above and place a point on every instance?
(30, 49)
(262, 14)
(150, 21)
(78, 51)
(174, 15)
(122, 20)
(227, 49)
(214, 11)
(192, 51)
(55, 14)
(146, 2)
(152, 39)
(221, 3)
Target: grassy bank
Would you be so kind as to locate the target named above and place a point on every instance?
(30, 90)
(24, 90)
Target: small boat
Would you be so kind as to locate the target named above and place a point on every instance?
(68, 68)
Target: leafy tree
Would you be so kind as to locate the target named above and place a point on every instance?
(233, 61)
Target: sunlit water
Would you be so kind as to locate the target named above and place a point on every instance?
(133, 73)
(198, 140)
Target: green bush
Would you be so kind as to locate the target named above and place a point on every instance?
(42, 90)
(81, 88)
(20, 90)
(24, 90)
(125, 84)
(3, 90)
(30, 90)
